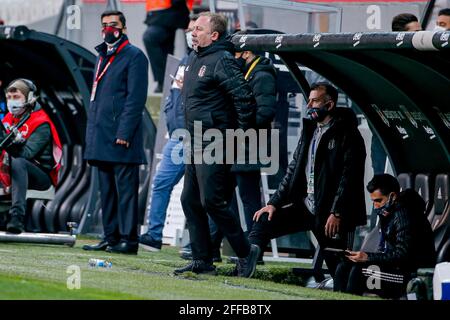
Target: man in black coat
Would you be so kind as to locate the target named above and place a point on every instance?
(114, 137)
(406, 243)
(261, 76)
(216, 96)
(323, 189)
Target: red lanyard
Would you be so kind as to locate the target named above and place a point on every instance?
(99, 77)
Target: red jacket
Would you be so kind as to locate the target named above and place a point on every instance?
(37, 118)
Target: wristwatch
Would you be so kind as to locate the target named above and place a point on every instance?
(337, 215)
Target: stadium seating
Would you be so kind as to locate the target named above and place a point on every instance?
(423, 186)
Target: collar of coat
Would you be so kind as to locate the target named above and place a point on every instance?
(102, 48)
(221, 44)
(342, 118)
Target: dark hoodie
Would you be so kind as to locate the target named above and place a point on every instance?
(215, 91)
(338, 172)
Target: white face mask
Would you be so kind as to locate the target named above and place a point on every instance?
(16, 107)
(439, 28)
(189, 39)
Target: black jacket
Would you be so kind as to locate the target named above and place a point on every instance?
(38, 147)
(262, 80)
(338, 172)
(177, 16)
(215, 91)
(409, 241)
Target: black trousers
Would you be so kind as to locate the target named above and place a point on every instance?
(250, 193)
(208, 190)
(295, 219)
(159, 42)
(25, 175)
(119, 192)
(385, 281)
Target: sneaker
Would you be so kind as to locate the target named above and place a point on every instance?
(146, 242)
(246, 266)
(198, 267)
(15, 225)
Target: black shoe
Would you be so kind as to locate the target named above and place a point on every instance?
(246, 266)
(234, 260)
(101, 246)
(123, 247)
(187, 255)
(198, 267)
(147, 243)
(15, 225)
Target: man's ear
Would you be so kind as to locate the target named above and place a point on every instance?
(124, 29)
(215, 36)
(331, 105)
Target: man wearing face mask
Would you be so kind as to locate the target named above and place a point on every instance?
(34, 152)
(216, 95)
(323, 189)
(114, 137)
(261, 76)
(406, 243)
(443, 20)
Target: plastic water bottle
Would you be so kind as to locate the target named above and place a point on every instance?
(100, 263)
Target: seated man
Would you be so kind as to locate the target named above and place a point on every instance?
(406, 243)
(34, 151)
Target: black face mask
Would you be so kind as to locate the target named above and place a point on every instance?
(386, 208)
(112, 34)
(241, 62)
(320, 113)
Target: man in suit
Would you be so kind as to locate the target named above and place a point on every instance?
(114, 138)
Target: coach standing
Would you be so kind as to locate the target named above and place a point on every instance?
(114, 138)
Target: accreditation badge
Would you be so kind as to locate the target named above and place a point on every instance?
(94, 90)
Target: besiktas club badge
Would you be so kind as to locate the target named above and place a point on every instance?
(202, 71)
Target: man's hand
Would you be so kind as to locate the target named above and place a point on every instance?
(270, 209)
(179, 83)
(357, 256)
(123, 143)
(332, 226)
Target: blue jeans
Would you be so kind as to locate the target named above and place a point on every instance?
(167, 176)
